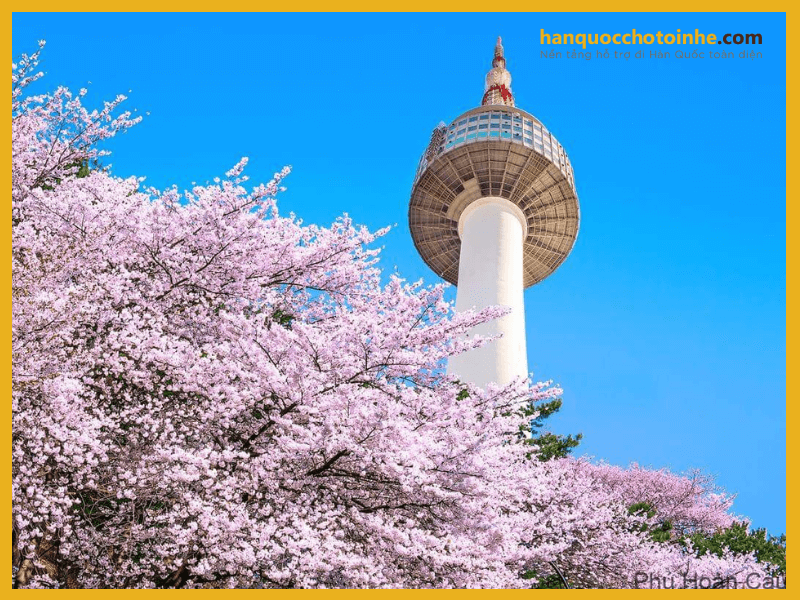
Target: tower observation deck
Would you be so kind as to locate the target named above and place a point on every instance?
(494, 210)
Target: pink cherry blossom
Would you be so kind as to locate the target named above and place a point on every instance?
(207, 393)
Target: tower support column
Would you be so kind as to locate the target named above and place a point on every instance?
(492, 232)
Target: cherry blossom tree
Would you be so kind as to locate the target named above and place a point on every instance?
(207, 393)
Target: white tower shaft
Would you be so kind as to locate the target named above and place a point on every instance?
(492, 232)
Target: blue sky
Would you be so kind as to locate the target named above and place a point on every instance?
(666, 325)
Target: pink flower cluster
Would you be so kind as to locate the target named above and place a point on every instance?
(208, 394)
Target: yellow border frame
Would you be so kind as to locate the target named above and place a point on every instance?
(469, 6)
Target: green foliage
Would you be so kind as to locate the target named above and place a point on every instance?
(661, 531)
(282, 318)
(546, 582)
(550, 445)
(84, 169)
(737, 539)
(644, 509)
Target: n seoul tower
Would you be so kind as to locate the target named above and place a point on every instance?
(494, 210)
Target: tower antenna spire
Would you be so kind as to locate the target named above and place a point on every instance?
(498, 80)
